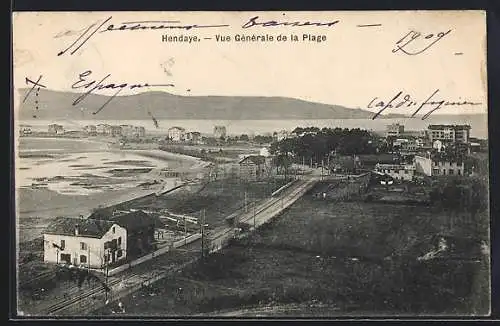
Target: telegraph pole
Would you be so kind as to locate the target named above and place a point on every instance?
(185, 230)
(246, 208)
(203, 233)
(254, 216)
(322, 163)
(106, 278)
(106, 282)
(88, 264)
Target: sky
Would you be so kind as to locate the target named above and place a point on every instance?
(353, 66)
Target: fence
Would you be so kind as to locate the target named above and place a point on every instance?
(154, 254)
(347, 187)
(283, 188)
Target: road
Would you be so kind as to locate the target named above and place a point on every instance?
(78, 302)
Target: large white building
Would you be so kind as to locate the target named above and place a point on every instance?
(84, 242)
(435, 167)
(451, 133)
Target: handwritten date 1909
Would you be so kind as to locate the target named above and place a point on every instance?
(407, 101)
(414, 43)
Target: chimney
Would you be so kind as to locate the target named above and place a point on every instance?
(76, 229)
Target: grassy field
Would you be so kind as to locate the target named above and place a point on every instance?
(356, 258)
(219, 198)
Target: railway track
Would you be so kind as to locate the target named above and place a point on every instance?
(87, 300)
(135, 278)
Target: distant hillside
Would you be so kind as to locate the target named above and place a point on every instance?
(162, 105)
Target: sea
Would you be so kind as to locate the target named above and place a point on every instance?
(478, 123)
(81, 158)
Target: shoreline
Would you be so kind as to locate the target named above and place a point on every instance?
(42, 205)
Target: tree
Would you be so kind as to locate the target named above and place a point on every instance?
(314, 144)
(282, 163)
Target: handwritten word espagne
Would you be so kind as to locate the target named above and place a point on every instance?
(90, 85)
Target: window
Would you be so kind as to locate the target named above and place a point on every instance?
(450, 171)
(106, 258)
(113, 229)
(444, 171)
(406, 171)
(66, 258)
(119, 241)
(119, 253)
(83, 246)
(63, 244)
(458, 172)
(83, 259)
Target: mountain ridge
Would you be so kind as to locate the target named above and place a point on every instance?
(163, 105)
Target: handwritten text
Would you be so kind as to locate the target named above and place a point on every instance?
(407, 101)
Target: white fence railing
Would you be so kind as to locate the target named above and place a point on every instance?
(154, 254)
(281, 189)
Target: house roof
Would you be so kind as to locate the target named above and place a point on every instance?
(435, 127)
(87, 227)
(178, 128)
(129, 220)
(256, 159)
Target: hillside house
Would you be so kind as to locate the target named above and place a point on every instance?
(193, 137)
(127, 131)
(434, 166)
(394, 129)
(444, 167)
(139, 132)
(253, 167)
(405, 145)
(115, 131)
(56, 129)
(345, 164)
(282, 134)
(102, 128)
(25, 130)
(219, 132)
(90, 130)
(176, 134)
(140, 229)
(84, 242)
(397, 171)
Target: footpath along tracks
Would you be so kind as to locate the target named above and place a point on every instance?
(265, 212)
(131, 281)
